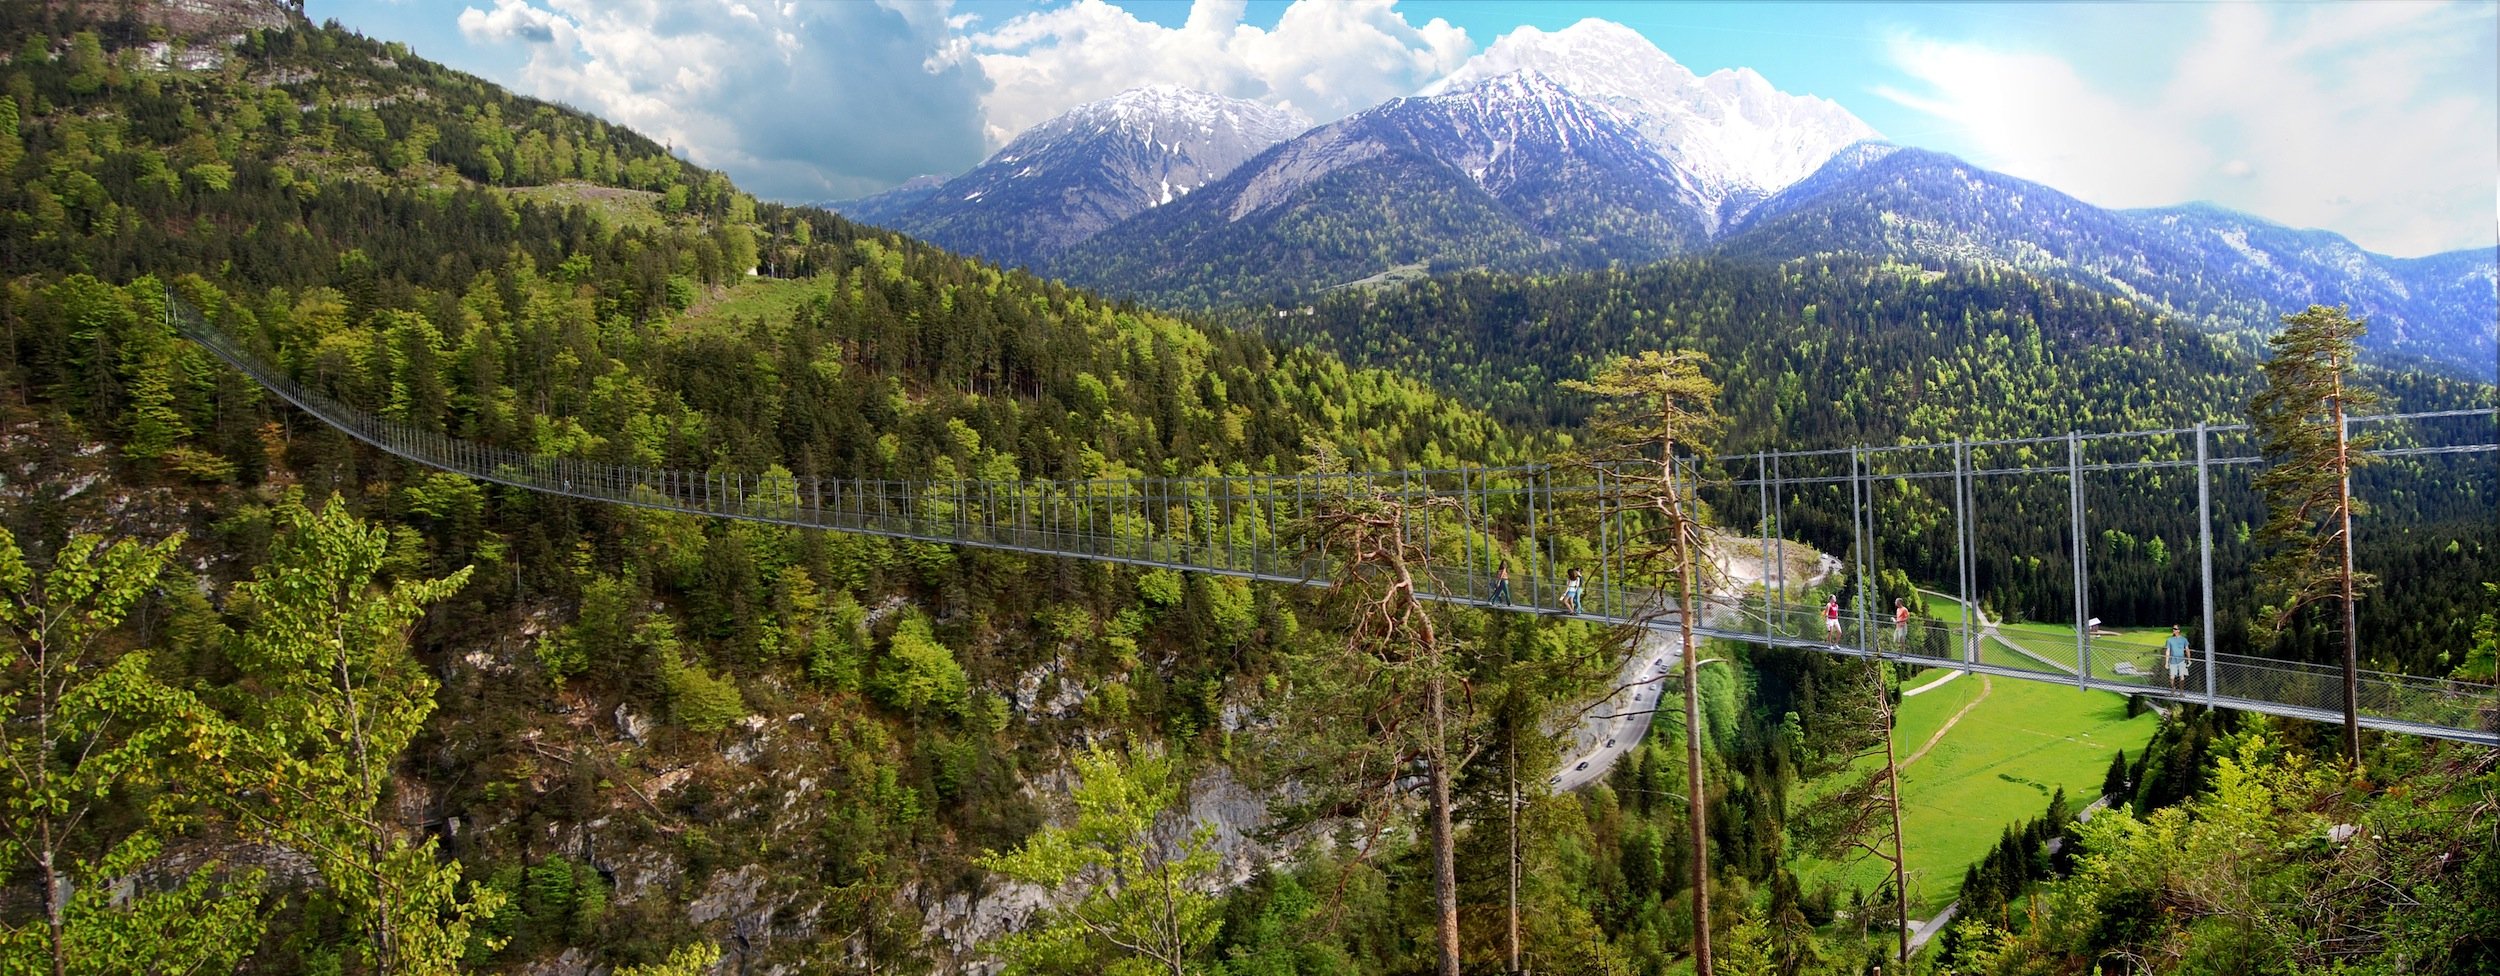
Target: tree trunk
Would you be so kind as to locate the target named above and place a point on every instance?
(2352, 630)
(1444, 844)
(1892, 778)
(1692, 751)
(1511, 941)
(55, 911)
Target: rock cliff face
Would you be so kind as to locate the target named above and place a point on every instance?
(197, 19)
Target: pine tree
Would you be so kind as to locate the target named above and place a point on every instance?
(2303, 415)
(1653, 407)
(1397, 648)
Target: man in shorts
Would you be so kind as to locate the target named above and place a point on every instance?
(1831, 619)
(2175, 659)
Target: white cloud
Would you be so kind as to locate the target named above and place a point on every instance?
(807, 101)
(511, 20)
(795, 101)
(2377, 121)
(1324, 58)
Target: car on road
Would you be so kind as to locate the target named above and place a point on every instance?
(1584, 764)
(1610, 743)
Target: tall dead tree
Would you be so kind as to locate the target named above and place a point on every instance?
(1402, 666)
(1657, 413)
(2303, 415)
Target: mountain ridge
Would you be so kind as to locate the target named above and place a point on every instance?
(1621, 154)
(1741, 138)
(2221, 269)
(1514, 172)
(1086, 169)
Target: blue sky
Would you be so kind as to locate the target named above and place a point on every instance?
(2380, 121)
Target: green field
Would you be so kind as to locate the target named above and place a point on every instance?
(769, 299)
(2054, 645)
(2138, 647)
(1997, 767)
(638, 209)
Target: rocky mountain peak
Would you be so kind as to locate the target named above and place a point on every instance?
(1741, 138)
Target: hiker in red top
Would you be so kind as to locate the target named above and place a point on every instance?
(1831, 619)
(1901, 625)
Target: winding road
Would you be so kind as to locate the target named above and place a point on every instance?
(1609, 729)
(1612, 727)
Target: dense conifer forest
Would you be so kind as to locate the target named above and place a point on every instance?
(1833, 354)
(279, 703)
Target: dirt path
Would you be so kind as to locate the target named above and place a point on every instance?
(1985, 686)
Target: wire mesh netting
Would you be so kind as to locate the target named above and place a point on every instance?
(1569, 540)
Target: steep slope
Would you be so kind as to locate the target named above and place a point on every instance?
(1740, 139)
(1515, 172)
(640, 731)
(2440, 308)
(2225, 271)
(1065, 180)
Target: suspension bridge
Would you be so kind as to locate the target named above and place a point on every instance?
(1540, 523)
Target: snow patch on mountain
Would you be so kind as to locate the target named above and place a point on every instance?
(1739, 138)
(1095, 165)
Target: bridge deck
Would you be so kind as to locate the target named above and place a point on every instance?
(1241, 526)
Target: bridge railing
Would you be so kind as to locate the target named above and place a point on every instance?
(1540, 521)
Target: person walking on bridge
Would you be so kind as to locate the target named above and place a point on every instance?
(2175, 657)
(1831, 619)
(1501, 584)
(1571, 592)
(1900, 625)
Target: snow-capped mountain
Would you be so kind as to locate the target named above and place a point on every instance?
(1739, 138)
(2221, 269)
(1514, 171)
(1589, 147)
(1068, 178)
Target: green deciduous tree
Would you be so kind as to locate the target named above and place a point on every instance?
(1135, 881)
(2303, 415)
(336, 699)
(696, 959)
(919, 673)
(2482, 660)
(87, 738)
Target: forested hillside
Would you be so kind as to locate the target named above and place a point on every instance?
(635, 731)
(1833, 354)
(2226, 272)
